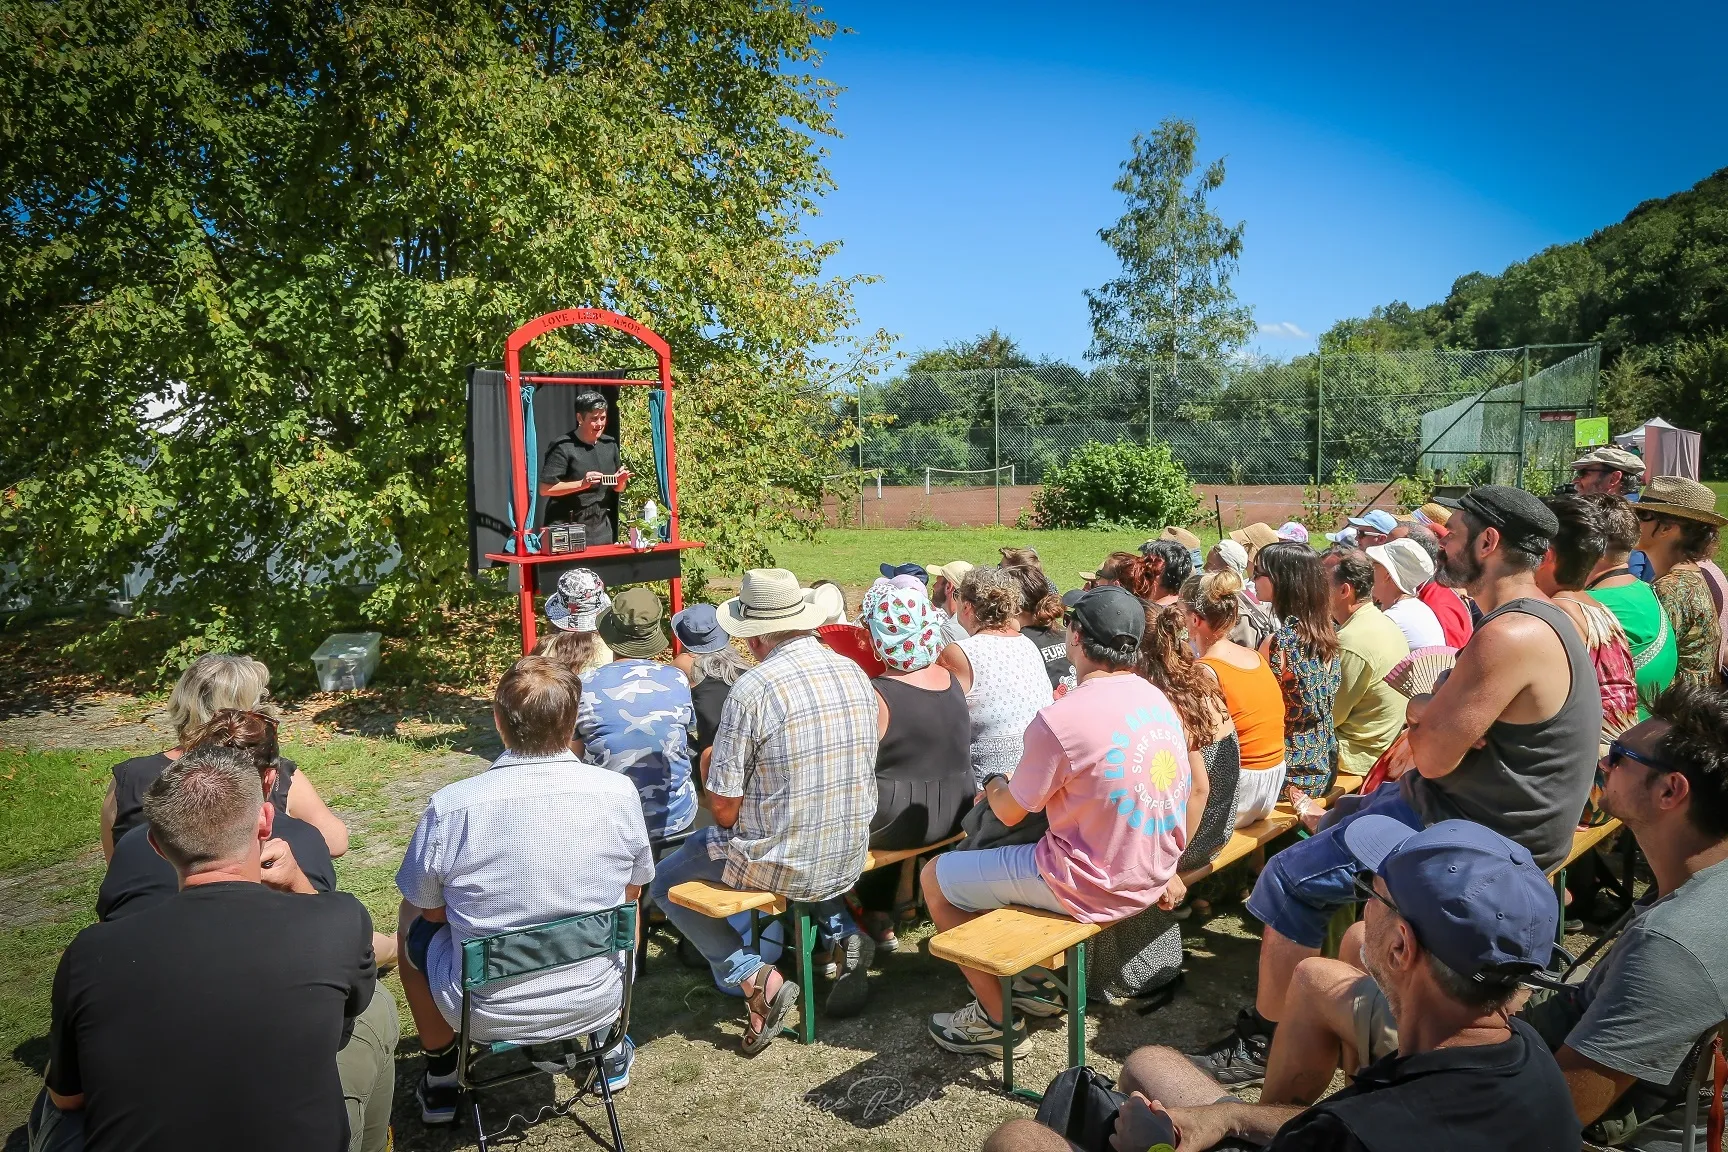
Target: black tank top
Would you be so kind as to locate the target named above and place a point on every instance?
(1528, 782)
(929, 733)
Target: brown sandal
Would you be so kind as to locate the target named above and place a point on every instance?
(770, 1009)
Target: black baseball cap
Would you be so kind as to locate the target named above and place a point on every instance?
(587, 400)
(1109, 615)
(1521, 517)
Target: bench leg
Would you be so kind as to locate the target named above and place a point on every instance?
(1560, 898)
(1007, 983)
(804, 939)
(1076, 965)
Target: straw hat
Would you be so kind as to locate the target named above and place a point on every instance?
(770, 600)
(1255, 537)
(1678, 496)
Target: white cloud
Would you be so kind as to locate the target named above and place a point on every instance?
(1284, 330)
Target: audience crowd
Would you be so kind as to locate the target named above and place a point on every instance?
(1501, 669)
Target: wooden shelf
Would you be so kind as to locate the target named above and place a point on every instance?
(597, 552)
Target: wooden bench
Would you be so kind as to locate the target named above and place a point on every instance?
(1005, 942)
(1583, 840)
(717, 901)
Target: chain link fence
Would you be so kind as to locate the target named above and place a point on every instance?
(1503, 414)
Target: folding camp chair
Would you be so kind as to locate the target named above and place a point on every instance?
(489, 959)
(1708, 1068)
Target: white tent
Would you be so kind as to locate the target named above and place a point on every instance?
(1667, 450)
(1635, 438)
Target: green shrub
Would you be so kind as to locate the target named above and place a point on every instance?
(1122, 483)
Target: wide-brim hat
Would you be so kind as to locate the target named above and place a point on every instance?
(1182, 536)
(635, 625)
(577, 604)
(1256, 536)
(1678, 496)
(698, 629)
(1406, 562)
(833, 602)
(770, 600)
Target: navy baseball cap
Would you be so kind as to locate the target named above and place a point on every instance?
(1110, 615)
(889, 571)
(698, 628)
(1475, 899)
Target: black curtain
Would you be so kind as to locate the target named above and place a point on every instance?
(487, 444)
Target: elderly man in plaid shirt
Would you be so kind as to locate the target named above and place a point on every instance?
(793, 789)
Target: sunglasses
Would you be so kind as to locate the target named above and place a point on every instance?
(1365, 885)
(1646, 517)
(1618, 752)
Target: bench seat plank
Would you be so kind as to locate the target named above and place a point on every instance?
(718, 901)
(1243, 842)
(874, 860)
(1585, 839)
(1007, 941)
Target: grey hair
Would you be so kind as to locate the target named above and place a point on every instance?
(724, 665)
(772, 640)
(203, 809)
(216, 680)
(1424, 538)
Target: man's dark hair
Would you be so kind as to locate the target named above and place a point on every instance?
(536, 702)
(1696, 745)
(1522, 556)
(1619, 522)
(1481, 995)
(1178, 564)
(1582, 539)
(588, 400)
(1351, 566)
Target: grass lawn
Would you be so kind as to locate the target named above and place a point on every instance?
(850, 555)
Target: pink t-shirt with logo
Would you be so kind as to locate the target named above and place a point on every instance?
(1108, 765)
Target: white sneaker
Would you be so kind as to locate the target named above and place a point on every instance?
(1034, 996)
(970, 1030)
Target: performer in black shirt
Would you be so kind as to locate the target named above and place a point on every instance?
(574, 466)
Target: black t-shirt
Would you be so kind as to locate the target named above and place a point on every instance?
(1506, 1097)
(138, 877)
(570, 458)
(132, 778)
(1053, 647)
(213, 1021)
(709, 697)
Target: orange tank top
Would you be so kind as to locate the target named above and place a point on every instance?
(1256, 705)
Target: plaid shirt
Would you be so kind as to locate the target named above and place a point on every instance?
(797, 741)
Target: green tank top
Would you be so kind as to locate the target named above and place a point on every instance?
(1655, 649)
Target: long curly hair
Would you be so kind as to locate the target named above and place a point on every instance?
(1132, 572)
(1037, 595)
(993, 594)
(1168, 662)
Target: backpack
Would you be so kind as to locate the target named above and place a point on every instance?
(1080, 1105)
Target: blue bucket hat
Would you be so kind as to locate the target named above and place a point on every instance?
(698, 628)
(1379, 520)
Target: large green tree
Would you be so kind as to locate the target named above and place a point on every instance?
(1173, 299)
(248, 246)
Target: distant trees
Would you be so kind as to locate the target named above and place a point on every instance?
(1653, 289)
(1173, 299)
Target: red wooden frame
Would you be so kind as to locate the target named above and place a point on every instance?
(514, 378)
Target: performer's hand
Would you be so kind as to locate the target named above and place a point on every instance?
(589, 481)
(623, 478)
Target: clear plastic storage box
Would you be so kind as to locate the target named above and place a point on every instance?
(346, 660)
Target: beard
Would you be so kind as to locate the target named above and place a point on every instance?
(1458, 574)
(1368, 967)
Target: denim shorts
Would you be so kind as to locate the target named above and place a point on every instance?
(995, 878)
(1303, 885)
(420, 935)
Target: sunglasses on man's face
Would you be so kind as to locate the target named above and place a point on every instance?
(1646, 517)
(1365, 885)
(1618, 752)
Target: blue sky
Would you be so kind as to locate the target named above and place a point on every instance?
(1377, 152)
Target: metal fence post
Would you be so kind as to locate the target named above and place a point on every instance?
(996, 438)
(861, 523)
(1523, 413)
(1151, 393)
(1319, 416)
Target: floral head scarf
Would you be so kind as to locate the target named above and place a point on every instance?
(903, 626)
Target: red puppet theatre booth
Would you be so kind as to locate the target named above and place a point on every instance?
(519, 421)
